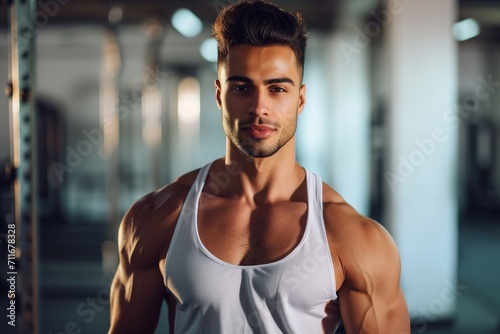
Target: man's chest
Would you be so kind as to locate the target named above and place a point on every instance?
(238, 234)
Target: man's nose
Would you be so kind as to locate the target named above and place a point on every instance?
(260, 104)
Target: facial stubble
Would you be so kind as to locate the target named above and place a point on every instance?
(255, 147)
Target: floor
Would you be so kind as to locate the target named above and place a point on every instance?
(75, 285)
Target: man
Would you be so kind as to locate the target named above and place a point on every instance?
(253, 242)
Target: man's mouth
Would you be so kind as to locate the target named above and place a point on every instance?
(258, 131)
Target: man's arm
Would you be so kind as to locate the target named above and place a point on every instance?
(368, 274)
(371, 300)
(137, 291)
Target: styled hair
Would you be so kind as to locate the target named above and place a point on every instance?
(259, 23)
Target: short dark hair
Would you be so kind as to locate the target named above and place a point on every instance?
(259, 23)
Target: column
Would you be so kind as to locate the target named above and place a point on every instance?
(421, 175)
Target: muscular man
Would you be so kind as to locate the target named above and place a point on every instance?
(253, 242)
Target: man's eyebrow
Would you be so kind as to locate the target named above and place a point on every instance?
(279, 80)
(239, 78)
(267, 82)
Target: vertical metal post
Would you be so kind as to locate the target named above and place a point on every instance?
(110, 122)
(152, 102)
(23, 268)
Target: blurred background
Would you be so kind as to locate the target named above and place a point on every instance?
(106, 101)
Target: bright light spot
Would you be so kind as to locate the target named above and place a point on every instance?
(185, 22)
(466, 29)
(188, 107)
(208, 50)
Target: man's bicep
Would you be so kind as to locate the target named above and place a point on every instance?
(364, 313)
(137, 290)
(372, 301)
(136, 300)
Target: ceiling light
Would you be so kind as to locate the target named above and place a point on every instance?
(465, 29)
(208, 49)
(186, 22)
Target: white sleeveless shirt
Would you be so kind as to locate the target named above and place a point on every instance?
(285, 296)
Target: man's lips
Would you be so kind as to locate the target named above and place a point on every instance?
(258, 131)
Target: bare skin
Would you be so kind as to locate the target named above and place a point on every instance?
(261, 209)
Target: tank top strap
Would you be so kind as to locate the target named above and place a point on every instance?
(315, 192)
(200, 181)
(318, 234)
(185, 223)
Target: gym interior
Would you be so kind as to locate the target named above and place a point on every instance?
(106, 101)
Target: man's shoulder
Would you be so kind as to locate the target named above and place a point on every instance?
(360, 245)
(161, 206)
(348, 227)
(148, 226)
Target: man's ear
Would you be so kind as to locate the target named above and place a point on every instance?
(302, 99)
(217, 93)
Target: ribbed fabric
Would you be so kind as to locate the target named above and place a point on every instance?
(285, 296)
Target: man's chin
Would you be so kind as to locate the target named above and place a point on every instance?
(258, 154)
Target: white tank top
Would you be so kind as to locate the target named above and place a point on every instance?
(285, 296)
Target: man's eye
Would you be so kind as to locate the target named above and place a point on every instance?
(277, 90)
(240, 89)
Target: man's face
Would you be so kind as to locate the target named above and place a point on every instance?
(260, 94)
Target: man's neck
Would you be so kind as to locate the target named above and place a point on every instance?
(261, 180)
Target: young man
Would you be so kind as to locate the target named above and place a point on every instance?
(253, 242)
